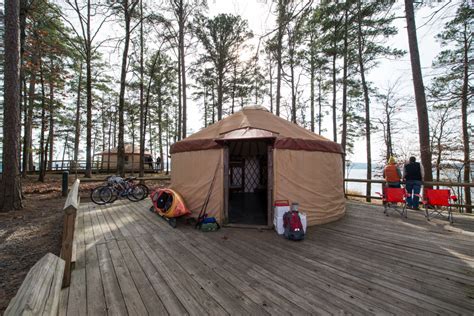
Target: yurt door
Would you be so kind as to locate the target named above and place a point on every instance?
(248, 175)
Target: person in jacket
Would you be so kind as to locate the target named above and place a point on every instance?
(392, 174)
(413, 177)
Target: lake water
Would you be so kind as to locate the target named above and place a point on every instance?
(359, 187)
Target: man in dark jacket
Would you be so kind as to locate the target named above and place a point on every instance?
(413, 176)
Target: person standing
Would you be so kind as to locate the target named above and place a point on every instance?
(413, 176)
(158, 164)
(392, 174)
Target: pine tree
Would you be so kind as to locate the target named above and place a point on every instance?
(10, 189)
(454, 85)
(222, 37)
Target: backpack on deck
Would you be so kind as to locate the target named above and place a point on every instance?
(293, 228)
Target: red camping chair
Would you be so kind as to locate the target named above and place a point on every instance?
(437, 201)
(394, 199)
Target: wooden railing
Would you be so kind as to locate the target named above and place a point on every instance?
(39, 293)
(159, 178)
(430, 183)
(70, 211)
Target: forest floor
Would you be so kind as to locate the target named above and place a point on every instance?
(28, 234)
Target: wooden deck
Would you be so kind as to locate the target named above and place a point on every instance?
(129, 261)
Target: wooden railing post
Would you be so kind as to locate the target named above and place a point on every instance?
(70, 211)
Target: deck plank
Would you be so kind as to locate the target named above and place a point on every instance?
(130, 261)
(151, 301)
(113, 296)
(95, 291)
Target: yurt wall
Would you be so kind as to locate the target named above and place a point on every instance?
(313, 179)
(192, 173)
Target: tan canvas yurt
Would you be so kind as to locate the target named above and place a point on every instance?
(257, 158)
(108, 159)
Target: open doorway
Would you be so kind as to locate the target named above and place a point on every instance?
(248, 182)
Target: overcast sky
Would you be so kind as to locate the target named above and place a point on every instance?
(260, 19)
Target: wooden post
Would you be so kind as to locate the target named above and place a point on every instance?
(226, 183)
(65, 182)
(270, 185)
(70, 211)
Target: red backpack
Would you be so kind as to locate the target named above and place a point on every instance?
(293, 226)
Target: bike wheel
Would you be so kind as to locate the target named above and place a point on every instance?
(136, 193)
(101, 195)
(114, 195)
(145, 189)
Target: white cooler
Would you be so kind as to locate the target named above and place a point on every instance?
(281, 207)
(278, 223)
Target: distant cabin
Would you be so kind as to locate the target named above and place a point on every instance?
(108, 159)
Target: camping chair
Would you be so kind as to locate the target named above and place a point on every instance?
(437, 201)
(394, 199)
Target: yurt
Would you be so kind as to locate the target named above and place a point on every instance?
(108, 159)
(247, 161)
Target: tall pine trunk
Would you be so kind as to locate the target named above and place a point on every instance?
(88, 172)
(180, 100)
(160, 126)
(43, 127)
(123, 77)
(279, 48)
(365, 90)
(334, 71)
(10, 195)
(344, 94)
(220, 94)
(465, 129)
(51, 121)
(312, 71)
(183, 68)
(421, 108)
(28, 131)
(77, 132)
(142, 110)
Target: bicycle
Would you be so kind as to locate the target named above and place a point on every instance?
(119, 187)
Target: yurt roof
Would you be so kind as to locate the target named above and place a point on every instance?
(129, 149)
(256, 123)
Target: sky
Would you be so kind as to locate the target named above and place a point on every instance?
(260, 17)
(260, 20)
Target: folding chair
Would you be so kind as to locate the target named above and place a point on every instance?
(394, 200)
(437, 201)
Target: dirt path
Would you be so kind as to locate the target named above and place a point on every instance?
(26, 236)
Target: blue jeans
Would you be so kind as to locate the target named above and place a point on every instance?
(413, 188)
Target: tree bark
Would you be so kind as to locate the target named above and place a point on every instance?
(220, 94)
(160, 126)
(320, 103)
(279, 48)
(464, 114)
(142, 110)
(366, 100)
(421, 108)
(77, 132)
(27, 140)
(181, 22)
(51, 119)
(43, 127)
(312, 70)
(334, 115)
(88, 172)
(123, 77)
(10, 196)
(344, 88)
(180, 100)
